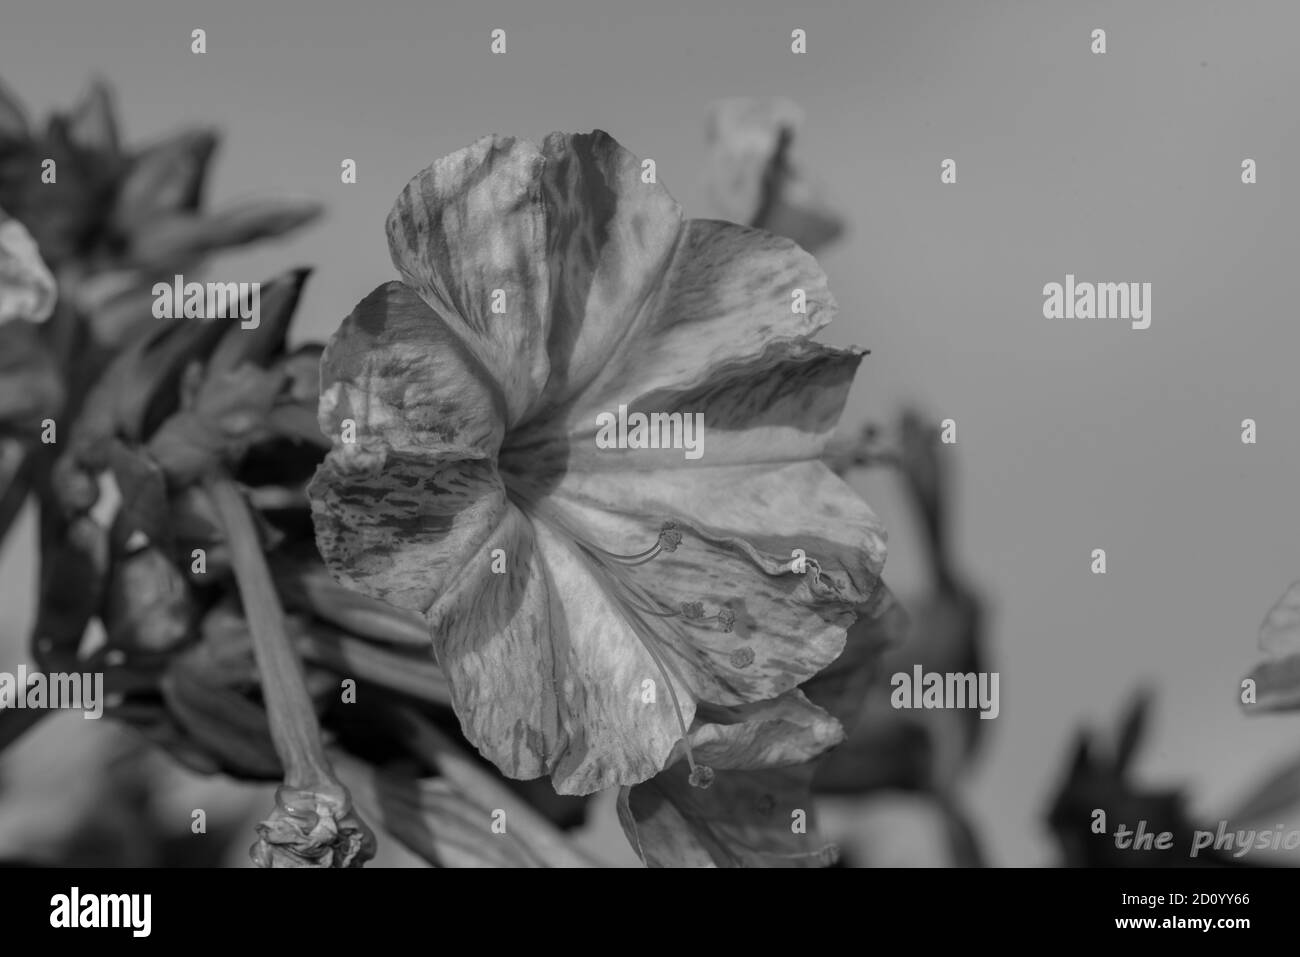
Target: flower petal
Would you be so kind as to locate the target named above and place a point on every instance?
(547, 674)
(726, 309)
(740, 527)
(471, 224)
(568, 234)
(744, 819)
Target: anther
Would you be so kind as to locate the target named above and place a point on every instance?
(701, 776)
(669, 537)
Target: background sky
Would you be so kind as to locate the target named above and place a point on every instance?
(1072, 435)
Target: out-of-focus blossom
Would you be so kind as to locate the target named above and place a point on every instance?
(638, 583)
(1277, 678)
(112, 220)
(752, 179)
(27, 289)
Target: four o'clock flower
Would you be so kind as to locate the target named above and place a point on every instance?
(585, 602)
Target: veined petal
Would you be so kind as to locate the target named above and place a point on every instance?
(741, 528)
(541, 259)
(399, 527)
(471, 226)
(783, 732)
(731, 293)
(611, 242)
(547, 674)
(780, 406)
(408, 384)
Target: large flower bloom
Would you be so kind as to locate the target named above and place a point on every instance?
(582, 599)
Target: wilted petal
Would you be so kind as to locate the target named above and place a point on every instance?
(27, 290)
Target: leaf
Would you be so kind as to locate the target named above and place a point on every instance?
(179, 237)
(31, 387)
(167, 177)
(278, 299)
(91, 125)
(13, 119)
(143, 510)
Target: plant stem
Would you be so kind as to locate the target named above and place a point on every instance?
(313, 824)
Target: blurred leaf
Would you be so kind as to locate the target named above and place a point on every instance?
(167, 177)
(278, 300)
(31, 388)
(92, 125)
(143, 510)
(179, 237)
(13, 119)
(1132, 728)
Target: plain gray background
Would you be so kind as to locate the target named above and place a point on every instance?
(1073, 435)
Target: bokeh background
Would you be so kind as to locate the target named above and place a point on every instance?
(1072, 435)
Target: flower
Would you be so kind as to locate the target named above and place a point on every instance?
(30, 386)
(542, 286)
(751, 178)
(112, 220)
(27, 289)
(1276, 679)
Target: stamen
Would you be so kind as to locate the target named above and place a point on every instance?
(669, 538)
